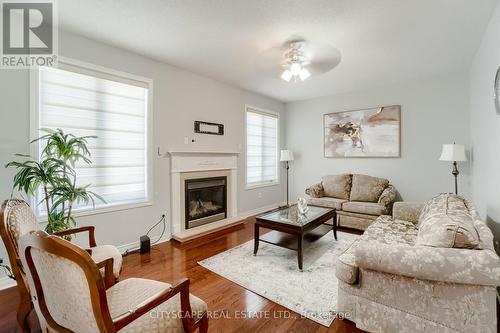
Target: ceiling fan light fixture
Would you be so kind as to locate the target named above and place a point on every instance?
(287, 75)
(304, 74)
(295, 68)
(296, 61)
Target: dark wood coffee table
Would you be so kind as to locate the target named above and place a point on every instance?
(291, 229)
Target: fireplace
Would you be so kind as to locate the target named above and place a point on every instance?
(198, 166)
(205, 201)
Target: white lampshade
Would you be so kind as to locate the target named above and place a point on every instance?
(286, 155)
(304, 74)
(453, 152)
(295, 68)
(287, 75)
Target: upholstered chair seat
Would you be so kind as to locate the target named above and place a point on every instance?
(102, 252)
(124, 296)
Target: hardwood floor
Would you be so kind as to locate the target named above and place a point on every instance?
(227, 301)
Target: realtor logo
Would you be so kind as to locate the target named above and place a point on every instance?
(29, 34)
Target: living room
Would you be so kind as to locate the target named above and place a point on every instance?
(295, 166)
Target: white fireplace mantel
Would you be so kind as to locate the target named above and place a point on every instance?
(188, 164)
(186, 161)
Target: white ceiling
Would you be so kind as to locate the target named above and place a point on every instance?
(382, 42)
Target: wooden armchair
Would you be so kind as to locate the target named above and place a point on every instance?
(72, 295)
(16, 220)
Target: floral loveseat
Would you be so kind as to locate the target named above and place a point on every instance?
(428, 268)
(358, 199)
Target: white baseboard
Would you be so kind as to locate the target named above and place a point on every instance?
(256, 211)
(135, 245)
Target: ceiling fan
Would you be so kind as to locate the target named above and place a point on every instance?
(298, 59)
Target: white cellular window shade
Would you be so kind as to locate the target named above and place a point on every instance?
(262, 148)
(84, 102)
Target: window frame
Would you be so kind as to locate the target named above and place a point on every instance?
(35, 125)
(278, 145)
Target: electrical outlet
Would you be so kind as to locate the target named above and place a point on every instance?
(259, 195)
(186, 140)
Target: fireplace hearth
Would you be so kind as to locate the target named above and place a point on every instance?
(205, 201)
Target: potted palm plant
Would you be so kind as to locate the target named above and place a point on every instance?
(55, 175)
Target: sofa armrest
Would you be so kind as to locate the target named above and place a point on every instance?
(315, 191)
(463, 266)
(407, 210)
(388, 196)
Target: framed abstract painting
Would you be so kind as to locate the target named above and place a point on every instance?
(374, 132)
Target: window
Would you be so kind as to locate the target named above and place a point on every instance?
(262, 148)
(88, 102)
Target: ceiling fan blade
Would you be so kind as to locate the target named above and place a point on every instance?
(320, 67)
(320, 58)
(323, 58)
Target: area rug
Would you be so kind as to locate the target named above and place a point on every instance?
(274, 274)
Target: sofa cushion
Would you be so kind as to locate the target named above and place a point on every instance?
(384, 230)
(407, 210)
(372, 208)
(388, 195)
(354, 220)
(445, 221)
(315, 191)
(367, 188)
(327, 202)
(387, 230)
(337, 186)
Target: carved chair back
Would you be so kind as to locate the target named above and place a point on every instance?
(68, 286)
(17, 219)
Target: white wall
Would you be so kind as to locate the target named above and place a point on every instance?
(180, 97)
(485, 126)
(433, 112)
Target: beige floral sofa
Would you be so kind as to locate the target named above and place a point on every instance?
(358, 199)
(428, 268)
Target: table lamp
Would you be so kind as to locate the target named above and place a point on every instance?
(453, 153)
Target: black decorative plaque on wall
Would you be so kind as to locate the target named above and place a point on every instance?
(208, 128)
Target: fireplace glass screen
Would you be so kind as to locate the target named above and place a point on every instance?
(206, 200)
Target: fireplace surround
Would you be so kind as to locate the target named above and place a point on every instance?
(192, 167)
